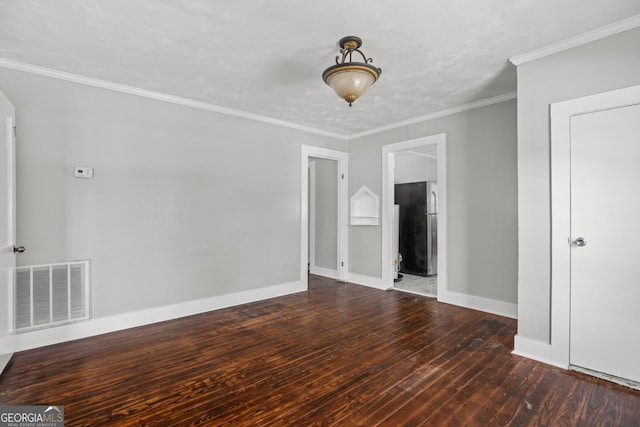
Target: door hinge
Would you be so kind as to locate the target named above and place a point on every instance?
(341, 263)
(342, 176)
(15, 131)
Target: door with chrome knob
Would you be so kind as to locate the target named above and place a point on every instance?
(604, 291)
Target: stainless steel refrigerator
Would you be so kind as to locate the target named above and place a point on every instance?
(418, 228)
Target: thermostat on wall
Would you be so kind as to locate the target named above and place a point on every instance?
(82, 172)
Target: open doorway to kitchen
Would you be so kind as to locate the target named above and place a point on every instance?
(414, 215)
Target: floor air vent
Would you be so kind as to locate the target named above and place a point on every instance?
(50, 295)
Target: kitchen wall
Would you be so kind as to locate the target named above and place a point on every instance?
(482, 199)
(414, 168)
(607, 64)
(185, 204)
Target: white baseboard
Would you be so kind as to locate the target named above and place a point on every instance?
(487, 305)
(535, 350)
(103, 325)
(372, 282)
(324, 272)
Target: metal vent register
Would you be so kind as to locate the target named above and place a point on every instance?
(50, 295)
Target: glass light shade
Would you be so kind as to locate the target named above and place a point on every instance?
(350, 81)
(350, 84)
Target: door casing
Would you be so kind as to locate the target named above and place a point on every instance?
(8, 234)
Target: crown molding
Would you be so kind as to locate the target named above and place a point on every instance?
(131, 90)
(158, 96)
(597, 34)
(454, 110)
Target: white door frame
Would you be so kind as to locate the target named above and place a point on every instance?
(312, 214)
(6, 247)
(388, 172)
(308, 151)
(561, 113)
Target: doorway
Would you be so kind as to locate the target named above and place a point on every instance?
(430, 153)
(594, 223)
(323, 217)
(338, 162)
(416, 208)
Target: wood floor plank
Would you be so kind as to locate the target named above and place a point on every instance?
(480, 407)
(474, 394)
(436, 364)
(338, 354)
(431, 403)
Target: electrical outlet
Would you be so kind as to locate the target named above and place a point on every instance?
(82, 172)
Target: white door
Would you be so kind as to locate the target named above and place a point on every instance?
(7, 215)
(605, 235)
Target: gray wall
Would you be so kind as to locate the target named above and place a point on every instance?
(600, 66)
(326, 232)
(481, 198)
(185, 203)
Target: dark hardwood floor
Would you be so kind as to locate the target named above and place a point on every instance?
(339, 354)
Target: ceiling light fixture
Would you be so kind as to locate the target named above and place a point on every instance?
(351, 79)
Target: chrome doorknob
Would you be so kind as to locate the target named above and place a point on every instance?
(19, 249)
(580, 241)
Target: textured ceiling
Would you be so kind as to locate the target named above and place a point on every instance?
(266, 57)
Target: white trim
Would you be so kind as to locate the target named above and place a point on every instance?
(7, 250)
(102, 325)
(324, 272)
(487, 305)
(312, 216)
(158, 96)
(597, 34)
(11, 175)
(10, 303)
(536, 350)
(11, 211)
(409, 291)
(436, 115)
(372, 282)
(388, 165)
(4, 360)
(561, 113)
(307, 151)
